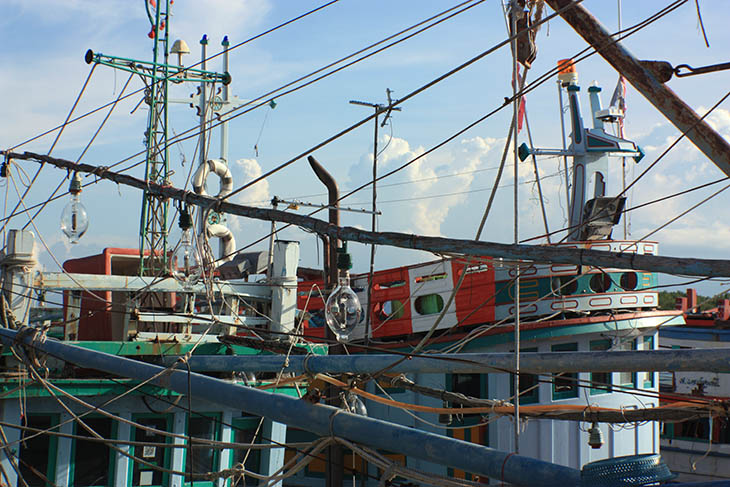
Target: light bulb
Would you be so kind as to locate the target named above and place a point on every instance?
(355, 405)
(74, 220)
(343, 309)
(595, 437)
(186, 268)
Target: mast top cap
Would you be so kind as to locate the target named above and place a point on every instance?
(180, 47)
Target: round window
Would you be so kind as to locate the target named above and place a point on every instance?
(629, 281)
(429, 304)
(565, 285)
(600, 283)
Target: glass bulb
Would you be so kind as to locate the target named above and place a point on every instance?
(343, 309)
(355, 404)
(186, 268)
(74, 220)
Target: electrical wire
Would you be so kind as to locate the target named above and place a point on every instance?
(53, 145)
(273, 29)
(542, 79)
(264, 99)
(400, 101)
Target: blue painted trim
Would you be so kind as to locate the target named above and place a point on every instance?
(690, 333)
(321, 419)
(695, 452)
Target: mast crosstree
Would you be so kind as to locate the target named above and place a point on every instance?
(157, 75)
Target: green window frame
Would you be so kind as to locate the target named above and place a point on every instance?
(648, 377)
(598, 378)
(96, 422)
(47, 443)
(160, 456)
(565, 385)
(474, 385)
(528, 382)
(317, 467)
(197, 420)
(243, 431)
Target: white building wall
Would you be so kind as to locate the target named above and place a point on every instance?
(566, 442)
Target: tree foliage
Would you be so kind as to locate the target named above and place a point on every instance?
(667, 299)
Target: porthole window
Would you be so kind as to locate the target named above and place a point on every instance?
(600, 283)
(629, 281)
(389, 310)
(565, 285)
(429, 304)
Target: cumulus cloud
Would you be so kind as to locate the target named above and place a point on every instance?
(719, 120)
(420, 198)
(221, 17)
(244, 171)
(701, 231)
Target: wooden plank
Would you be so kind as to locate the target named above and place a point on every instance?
(583, 257)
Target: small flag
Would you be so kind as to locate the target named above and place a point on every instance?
(618, 100)
(521, 107)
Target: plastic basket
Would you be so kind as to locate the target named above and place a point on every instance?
(632, 470)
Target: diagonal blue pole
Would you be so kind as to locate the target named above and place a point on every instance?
(698, 360)
(321, 419)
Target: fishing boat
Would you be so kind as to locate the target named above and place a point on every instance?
(697, 450)
(563, 308)
(135, 378)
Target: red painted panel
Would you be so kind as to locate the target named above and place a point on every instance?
(95, 321)
(476, 293)
(391, 285)
(95, 317)
(315, 327)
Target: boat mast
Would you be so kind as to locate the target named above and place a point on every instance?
(153, 228)
(157, 75)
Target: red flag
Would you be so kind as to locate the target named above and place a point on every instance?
(521, 107)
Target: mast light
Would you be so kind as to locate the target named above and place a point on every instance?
(180, 47)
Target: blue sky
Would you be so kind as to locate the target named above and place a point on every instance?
(45, 40)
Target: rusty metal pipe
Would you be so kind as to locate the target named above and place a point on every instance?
(335, 455)
(665, 100)
(334, 217)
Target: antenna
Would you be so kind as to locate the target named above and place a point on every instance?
(387, 109)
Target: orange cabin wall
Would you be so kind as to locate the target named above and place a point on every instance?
(95, 322)
(474, 294)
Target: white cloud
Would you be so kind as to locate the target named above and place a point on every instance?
(221, 17)
(719, 120)
(419, 212)
(245, 171)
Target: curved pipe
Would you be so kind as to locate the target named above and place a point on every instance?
(333, 191)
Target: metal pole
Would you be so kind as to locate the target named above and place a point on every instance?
(565, 158)
(226, 94)
(713, 145)
(372, 246)
(715, 360)
(621, 134)
(378, 110)
(203, 107)
(515, 129)
(320, 419)
(537, 180)
(272, 237)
